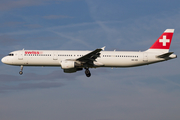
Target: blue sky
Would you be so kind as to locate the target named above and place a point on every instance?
(147, 92)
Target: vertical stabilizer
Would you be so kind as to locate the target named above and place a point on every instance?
(163, 43)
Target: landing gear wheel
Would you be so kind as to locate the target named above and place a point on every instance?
(87, 72)
(20, 72)
(88, 75)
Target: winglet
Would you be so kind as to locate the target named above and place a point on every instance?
(103, 48)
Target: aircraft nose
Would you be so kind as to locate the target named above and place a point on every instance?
(6, 60)
(3, 60)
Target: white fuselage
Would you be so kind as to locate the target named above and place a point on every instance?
(72, 61)
(106, 59)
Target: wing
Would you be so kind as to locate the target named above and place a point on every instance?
(90, 57)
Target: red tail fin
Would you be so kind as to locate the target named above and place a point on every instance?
(164, 41)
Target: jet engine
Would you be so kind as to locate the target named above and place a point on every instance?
(65, 64)
(70, 66)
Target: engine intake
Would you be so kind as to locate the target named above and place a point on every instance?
(70, 66)
(65, 64)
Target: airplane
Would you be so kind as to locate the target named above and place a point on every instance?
(73, 61)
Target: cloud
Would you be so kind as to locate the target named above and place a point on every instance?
(73, 39)
(33, 26)
(7, 40)
(12, 24)
(24, 86)
(34, 77)
(56, 17)
(12, 4)
(29, 81)
(52, 76)
(9, 78)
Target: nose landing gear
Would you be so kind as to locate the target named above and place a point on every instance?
(21, 72)
(87, 72)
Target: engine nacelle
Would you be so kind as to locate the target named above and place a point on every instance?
(65, 64)
(70, 66)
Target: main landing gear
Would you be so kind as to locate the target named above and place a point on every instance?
(87, 72)
(21, 72)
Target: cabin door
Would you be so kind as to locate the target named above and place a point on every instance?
(55, 56)
(145, 57)
(20, 55)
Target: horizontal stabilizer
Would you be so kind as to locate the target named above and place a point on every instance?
(165, 55)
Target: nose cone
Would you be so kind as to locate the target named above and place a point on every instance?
(6, 60)
(3, 60)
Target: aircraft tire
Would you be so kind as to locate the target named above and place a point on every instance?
(87, 72)
(20, 72)
(88, 75)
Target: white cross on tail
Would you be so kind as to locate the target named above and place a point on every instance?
(164, 40)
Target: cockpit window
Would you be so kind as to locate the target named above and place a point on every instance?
(10, 54)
